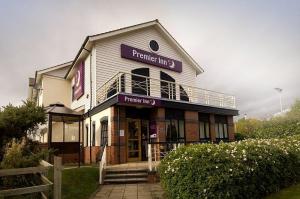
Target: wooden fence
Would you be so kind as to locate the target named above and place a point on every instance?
(42, 170)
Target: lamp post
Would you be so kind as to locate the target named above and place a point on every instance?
(279, 90)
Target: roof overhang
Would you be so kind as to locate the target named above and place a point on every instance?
(165, 103)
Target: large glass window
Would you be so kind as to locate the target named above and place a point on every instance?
(175, 130)
(71, 132)
(204, 129)
(221, 127)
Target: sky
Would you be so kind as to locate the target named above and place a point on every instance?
(247, 48)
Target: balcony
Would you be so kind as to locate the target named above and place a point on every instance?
(133, 84)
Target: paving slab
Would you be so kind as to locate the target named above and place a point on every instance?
(130, 191)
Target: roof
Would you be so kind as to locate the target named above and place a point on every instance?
(88, 42)
(60, 109)
(38, 73)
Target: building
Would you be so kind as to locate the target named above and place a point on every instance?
(131, 87)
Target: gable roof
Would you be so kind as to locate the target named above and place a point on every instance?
(88, 42)
(41, 72)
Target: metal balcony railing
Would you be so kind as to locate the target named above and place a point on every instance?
(140, 85)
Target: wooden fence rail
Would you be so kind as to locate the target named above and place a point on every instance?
(42, 170)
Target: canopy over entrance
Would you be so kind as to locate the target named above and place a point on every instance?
(64, 132)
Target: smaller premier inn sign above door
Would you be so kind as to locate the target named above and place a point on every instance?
(139, 55)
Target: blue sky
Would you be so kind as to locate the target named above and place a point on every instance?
(245, 47)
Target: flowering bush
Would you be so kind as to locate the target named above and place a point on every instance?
(244, 169)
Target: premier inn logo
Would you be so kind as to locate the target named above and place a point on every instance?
(138, 100)
(139, 55)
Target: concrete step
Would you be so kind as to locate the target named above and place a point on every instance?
(131, 170)
(125, 180)
(126, 175)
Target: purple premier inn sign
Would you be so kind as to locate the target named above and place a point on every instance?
(137, 100)
(78, 90)
(139, 55)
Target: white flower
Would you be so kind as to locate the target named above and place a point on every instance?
(217, 167)
(204, 190)
(230, 170)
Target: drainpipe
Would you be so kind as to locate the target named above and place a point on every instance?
(119, 135)
(91, 101)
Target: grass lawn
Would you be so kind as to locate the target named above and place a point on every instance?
(292, 192)
(79, 183)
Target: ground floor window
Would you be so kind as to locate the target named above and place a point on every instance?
(104, 132)
(94, 134)
(204, 129)
(221, 127)
(175, 129)
(87, 135)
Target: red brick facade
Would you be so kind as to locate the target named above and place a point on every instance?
(90, 152)
(117, 150)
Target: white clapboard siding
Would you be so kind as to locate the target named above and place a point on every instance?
(109, 61)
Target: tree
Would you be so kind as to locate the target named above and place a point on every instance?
(247, 126)
(294, 113)
(19, 121)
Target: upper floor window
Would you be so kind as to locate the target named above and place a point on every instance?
(183, 94)
(221, 127)
(139, 81)
(204, 129)
(117, 86)
(167, 87)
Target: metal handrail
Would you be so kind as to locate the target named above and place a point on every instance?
(102, 162)
(123, 80)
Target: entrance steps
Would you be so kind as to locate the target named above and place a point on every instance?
(126, 176)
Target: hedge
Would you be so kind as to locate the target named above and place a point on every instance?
(244, 169)
(274, 128)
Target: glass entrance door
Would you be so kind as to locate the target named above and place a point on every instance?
(134, 140)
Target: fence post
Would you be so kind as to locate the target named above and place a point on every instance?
(149, 157)
(57, 177)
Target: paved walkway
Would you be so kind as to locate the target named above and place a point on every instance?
(130, 191)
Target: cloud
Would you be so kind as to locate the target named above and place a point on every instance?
(246, 48)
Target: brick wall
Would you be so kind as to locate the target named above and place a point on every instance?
(191, 126)
(212, 127)
(114, 154)
(86, 154)
(231, 129)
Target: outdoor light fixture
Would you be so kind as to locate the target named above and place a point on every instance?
(279, 90)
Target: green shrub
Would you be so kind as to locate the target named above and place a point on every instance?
(275, 128)
(20, 154)
(244, 169)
